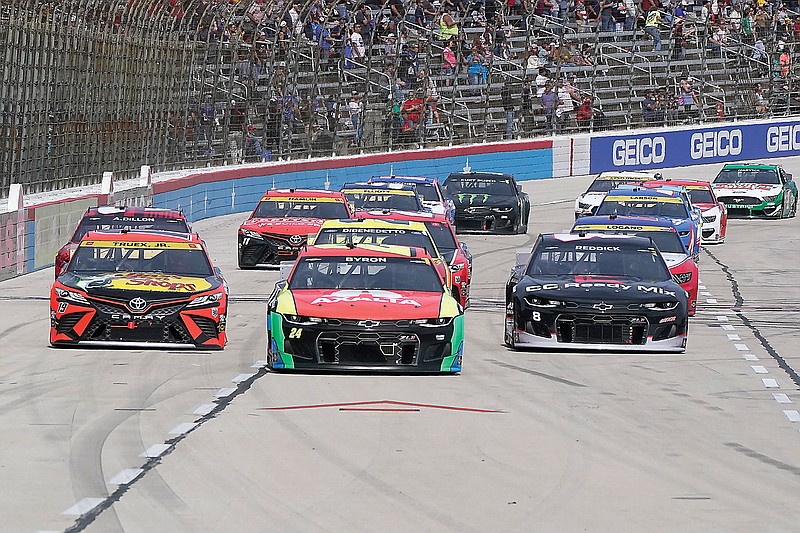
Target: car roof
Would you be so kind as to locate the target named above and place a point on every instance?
(626, 175)
(622, 223)
(600, 239)
(403, 189)
(302, 193)
(403, 179)
(481, 175)
(377, 223)
(663, 193)
(756, 166)
(364, 250)
(140, 236)
(687, 184)
(143, 212)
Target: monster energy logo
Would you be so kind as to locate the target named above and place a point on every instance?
(471, 197)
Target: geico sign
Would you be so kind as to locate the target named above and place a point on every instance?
(644, 151)
(783, 138)
(715, 144)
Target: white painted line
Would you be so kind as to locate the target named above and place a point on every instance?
(259, 364)
(722, 318)
(728, 327)
(125, 476)
(705, 293)
(83, 506)
(781, 397)
(180, 429)
(793, 416)
(711, 300)
(758, 369)
(701, 286)
(242, 377)
(553, 202)
(222, 393)
(750, 357)
(156, 450)
(49, 531)
(734, 337)
(770, 383)
(204, 409)
(742, 347)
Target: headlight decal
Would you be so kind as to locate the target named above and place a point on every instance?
(452, 363)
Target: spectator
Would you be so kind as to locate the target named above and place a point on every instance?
(688, 97)
(357, 42)
(449, 61)
(508, 107)
(563, 109)
(428, 84)
(528, 95)
(651, 28)
(548, 100)
(716, 42)
(448, 25)
(583, 118)
(759, 100)
(761, 23)
(252, 146)
(649, 111)
(541, 81)
(581, 15)
(533, 62)
(784, 59)
(356, 108)
(678, 40)
(475, 68)
(412, 111)
(607, 14)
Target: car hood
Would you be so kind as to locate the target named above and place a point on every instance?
(592, 198)
(283, 225)
(122, 284)
(674, 260)
(434, 207)
(475, 200)
(596, 289)
(367, 304)
(747, 189)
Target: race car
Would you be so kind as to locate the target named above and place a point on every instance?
(488, 202)
(117, 218)
(281, 222)
(663, 234)
(430, 191)
(750, 190)
(586, 204)
(364, 308)
(360, 231)
(597, 292)
(664, 202)
(139, 289)
(367, 196)
(455, 253)
(713, 212)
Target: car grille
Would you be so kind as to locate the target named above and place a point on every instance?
(267, 251)
(67, 322)
(602, 329)
(709, 219)
(172, 331)
(367, 348)
(112, 309)
(206, 325)
(708, 233)
(739, 201)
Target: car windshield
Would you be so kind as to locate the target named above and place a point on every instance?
(186, 259)
(572, 259)
(120, 222)
(641, 206)
(605, 185)
(380, 236)
(365, 199)
(761, 176)
(489, 186)
(365, 273)
(427, 191)
(311, 208)
(668, 242)
(442, 236)
(701, 196)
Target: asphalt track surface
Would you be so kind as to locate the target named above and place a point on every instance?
(702, 441)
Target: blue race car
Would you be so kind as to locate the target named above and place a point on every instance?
(664, 202)
(429, 190)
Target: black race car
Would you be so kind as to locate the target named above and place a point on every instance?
(488, 202)
(597, 292)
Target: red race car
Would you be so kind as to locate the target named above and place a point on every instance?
(455, 253)
(139, 289)
(118, 218)
(281, 222)
(714, 212)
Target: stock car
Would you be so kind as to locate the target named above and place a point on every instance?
(488, 202)
(596, 292)
(364, 308)
(701, 194)
(455, 253)
(665, 236)
(430, 192)
(586, 204)
(358, 231)
(139, 289)
(751, 190)
(368, 196)
(281, 222)
(118, 218)
(666, 202)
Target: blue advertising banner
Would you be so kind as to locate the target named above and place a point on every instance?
(734, 142)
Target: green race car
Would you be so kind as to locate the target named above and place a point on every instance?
(751, 190)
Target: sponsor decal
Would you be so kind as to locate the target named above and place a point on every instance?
(649, 289)
(720, 143)
(144, 282)
(643, 151)
(471, 198)
(745, 186)
(366, 259)
(375, 193)
(594, 248)
(372, 296)
(148, 244)
(618, 227)
(278, 221)
(783, 138)
(133, 219)
(368, 230)
(301, 199)
(649, 199)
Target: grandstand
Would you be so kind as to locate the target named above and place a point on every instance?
(94, 85)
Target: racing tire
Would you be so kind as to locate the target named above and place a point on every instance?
(793, 212)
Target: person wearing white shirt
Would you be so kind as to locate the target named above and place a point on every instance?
(563, 109)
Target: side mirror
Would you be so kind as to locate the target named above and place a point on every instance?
(788, 177)
(519, 187)
(218, 273)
